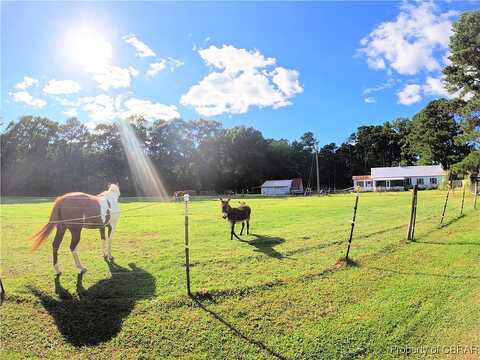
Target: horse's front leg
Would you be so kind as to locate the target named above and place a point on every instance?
(102, 236)
(111, 231)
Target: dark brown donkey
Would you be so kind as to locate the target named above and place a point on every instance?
(234, 215)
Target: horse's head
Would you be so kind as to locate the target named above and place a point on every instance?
(225, 207)
(114, 189)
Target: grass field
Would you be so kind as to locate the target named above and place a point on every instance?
(280, 292)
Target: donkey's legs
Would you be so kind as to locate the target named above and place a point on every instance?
(232, 234)
(55, 245)
(76, 231)
(248, 227)
(243, 225)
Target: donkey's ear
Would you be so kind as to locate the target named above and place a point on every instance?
(228, 199)
(220, 199)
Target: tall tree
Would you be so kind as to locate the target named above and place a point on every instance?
(433, 131)
(463, 77)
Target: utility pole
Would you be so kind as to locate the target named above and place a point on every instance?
(318, 178)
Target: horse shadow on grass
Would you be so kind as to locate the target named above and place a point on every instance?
(96, 315)
(265, 244)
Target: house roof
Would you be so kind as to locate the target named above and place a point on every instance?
(407, 171)
(277, 183)
(361, 177)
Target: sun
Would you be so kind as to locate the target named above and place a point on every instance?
(89, 49)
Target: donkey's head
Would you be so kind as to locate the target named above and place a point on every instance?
(225, 207)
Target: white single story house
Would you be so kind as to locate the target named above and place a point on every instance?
(400, 177)
(282, 187)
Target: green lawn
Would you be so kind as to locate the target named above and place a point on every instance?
(280, 292)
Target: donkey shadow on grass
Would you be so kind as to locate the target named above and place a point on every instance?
(97, 314)
(265, 244)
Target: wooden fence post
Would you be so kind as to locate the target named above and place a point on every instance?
(187, 250)
(475, 195)
(445, 206)
(353, 223)
(463, 198)
(413, 214)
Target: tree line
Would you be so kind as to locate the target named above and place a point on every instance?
(43, 157)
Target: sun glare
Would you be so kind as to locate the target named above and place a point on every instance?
(88, 49)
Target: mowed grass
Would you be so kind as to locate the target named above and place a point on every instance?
(280, 292)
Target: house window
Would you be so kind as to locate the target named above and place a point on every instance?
(396, 183)
(369, 184)
(408, 181)
(420, 181)
(433, 181)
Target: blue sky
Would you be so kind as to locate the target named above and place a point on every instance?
(283, 68)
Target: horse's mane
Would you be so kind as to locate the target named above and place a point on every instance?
(113, 188)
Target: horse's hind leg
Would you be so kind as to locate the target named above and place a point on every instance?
(56, 245)
(76, 231)
(111, 231)
(243, 225)
(102, 236)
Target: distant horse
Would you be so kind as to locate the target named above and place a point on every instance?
(74, 211)
(234, 215)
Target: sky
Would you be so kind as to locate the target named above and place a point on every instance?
(283, 68)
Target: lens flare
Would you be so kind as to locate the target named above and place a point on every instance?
(145, 176)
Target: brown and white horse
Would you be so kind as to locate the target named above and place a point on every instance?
(234, 215)
(75, 211)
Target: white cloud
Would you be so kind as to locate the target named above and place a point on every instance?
(114, 77)
(233, 60)
(25, 98)
(367, 93)
(100, 108)
(411, 42)
(409, 95)
(143, 50)
(26, 83)
(174, 64)
(436, 87)
(103, 108)
(386, 85)
(61, 87)
(287, 81)
(149, 110)
(134, 72)
(244, 82)
(155, 68)
(70, 113)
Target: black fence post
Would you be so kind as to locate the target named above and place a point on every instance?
(413, 214)
(353, 223)
(463, 198)
(445, 206)
(187, 249)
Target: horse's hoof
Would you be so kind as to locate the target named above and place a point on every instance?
(83, 270)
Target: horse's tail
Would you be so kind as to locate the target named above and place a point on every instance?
(38, 238)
